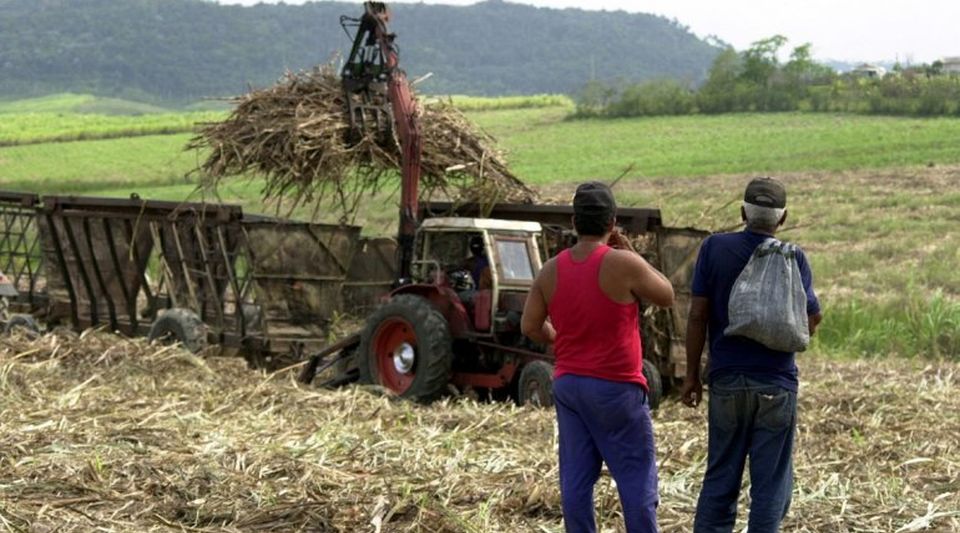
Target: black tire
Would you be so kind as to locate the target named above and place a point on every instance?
(22, 324)
(535, 387)
(412, 321)
(654, 383)
(179, 325)
(252, 317)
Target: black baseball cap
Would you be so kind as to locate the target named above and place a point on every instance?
(594, 198)
(766, 192)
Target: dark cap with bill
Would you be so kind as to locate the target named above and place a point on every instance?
(766, 192)
(594, 197)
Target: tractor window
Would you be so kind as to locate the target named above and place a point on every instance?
(514, 260)
(448, 248)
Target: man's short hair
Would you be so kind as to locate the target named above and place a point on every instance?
(594, 208)
(762, 217)
(764, 202)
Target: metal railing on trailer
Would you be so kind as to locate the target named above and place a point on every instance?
(21, 259)
(102, 252)
(268, 287)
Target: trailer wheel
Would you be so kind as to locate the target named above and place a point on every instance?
(654, 383)
(406, 347)
(536, 384)
(23, 324)
(179, 325)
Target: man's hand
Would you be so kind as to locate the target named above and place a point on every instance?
(619, 241)
(691, 392)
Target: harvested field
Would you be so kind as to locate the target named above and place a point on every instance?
(113, 434)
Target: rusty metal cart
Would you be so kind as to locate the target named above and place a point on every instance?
(198, 273)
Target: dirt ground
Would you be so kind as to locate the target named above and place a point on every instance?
(102, 433)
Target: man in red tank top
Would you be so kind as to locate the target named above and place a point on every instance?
(590, 294)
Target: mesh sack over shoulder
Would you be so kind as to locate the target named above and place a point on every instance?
(768, 303)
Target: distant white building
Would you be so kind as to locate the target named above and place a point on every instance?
(951, 65)
(869, 71)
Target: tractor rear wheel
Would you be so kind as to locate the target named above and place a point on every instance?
(179, 325)
(535, 387)
(406, 347)
(22, 324)
(654, 383)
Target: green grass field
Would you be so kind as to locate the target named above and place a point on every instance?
(77, 117)
(545, 148)
(873, 199)
(37, 128)
(539, 101)
(542, 145)
(78, 103)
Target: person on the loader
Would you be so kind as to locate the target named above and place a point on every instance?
(478, 264)
(475, 274)
(590, 294)
(753, 389)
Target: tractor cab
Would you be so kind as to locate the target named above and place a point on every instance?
(489, 264)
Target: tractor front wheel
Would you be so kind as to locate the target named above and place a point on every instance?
(654, 383)
(406, 347)
(535, 387)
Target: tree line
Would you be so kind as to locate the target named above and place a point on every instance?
(755, 80)
(182, 50)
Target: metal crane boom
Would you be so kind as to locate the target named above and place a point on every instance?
(379, 98)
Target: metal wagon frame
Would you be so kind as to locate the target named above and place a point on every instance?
(20, 254)
(264, 286)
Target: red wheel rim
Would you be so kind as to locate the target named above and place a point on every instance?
(394, 347)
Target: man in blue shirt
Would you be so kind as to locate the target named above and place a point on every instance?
(478, 265)
(753, 389)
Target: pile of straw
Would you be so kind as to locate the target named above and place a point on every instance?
(297, 136)
(101, 433)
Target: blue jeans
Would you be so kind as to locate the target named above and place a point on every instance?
(747, 417)
(602, 420)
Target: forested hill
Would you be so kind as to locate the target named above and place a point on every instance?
(188, 49)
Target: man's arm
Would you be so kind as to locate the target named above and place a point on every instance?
(814, 321)
(534, 323)
(814, 316)
(691, 392)
(649, 283)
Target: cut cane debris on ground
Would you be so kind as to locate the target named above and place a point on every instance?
(102, 432)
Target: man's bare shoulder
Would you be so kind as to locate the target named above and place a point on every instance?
(548, 268)
(626, 259)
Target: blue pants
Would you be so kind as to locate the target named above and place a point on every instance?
(747, 417)
(608, 421)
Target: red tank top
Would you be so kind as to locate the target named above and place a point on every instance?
(596, 336)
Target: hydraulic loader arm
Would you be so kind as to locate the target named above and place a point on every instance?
(371, 74)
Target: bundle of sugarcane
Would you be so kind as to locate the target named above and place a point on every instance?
(297, 135)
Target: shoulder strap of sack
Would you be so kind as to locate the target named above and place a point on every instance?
(774, 245)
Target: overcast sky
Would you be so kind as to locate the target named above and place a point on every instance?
(854, 30)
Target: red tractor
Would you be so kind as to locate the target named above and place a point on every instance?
(453, 319)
